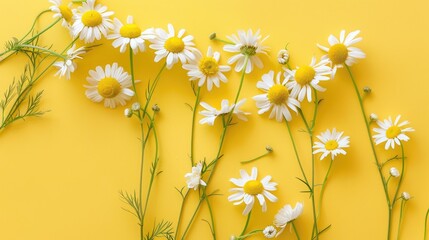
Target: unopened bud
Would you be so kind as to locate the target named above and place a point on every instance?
(367, 90)
(128, 113)
(155, 108)
(283, 56)
(135, 106)
(394, 172)
(373, 117)
(406, 196)
(212, 36)
(269, 148)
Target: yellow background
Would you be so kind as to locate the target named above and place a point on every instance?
(60, 174)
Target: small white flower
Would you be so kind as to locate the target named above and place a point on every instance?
(406, 196)
(331, 143)
(193, 179)
(391, 132)
(174, 48)
(394, 172)
(207, 68)
(270, 232)
(286, 215)
(66, 67)
(276, 97)
(249, 188)
(341, 51)
(247, 45)
(212, 113)
(373, 117)
(91, 21)
(283, 56)
(62, 11)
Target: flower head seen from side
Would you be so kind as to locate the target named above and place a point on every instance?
(193, 179)
(306, 77)
(247, 45)
(341, 52)
(248, 188)
(66, 67)
(173, 47)
(276, 98)
(111, 84)
(207, 69)
(210, 113)
(331, 143)
(269, 232)
(128, 34)
(286, 215)
(63, 11)
(391, 132)
(91, 21)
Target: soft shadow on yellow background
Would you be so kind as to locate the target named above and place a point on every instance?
(60, 174)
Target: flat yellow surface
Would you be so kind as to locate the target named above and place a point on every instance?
(60, 174)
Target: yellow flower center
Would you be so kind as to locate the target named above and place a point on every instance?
(393, 132)
(174, 45)
(278, 94)
(253, 187)
(109, 87)
(208, 66)
(304, 75)
(91, 18)
(130, 31)
(338, 53)
(66, 12)
(248, 50)
(331, 145)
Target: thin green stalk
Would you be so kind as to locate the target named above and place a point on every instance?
(247, 223)
(401, 213)
(426, 224)
(211, 218)
(43, 31)
(194, 113)
(296, 231)
(151, 89)
(296, 151)
(192, 219)
(34, 24)
(316, 108)
(322, 190)
(132, 73)
(43, 49)
(401, 177)
(250, 234)
(223, 41)
(256, 158)
(179, 219)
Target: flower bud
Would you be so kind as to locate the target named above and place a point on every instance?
(406, 196)
(394, 172)
(212, 36)
(373, 117)
(367, 90)
(269, 148)
(269, 232)
(128, 113)
(283, 56)
(135, 106)
(155, 108)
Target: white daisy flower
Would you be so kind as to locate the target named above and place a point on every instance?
(249, 188)
(111, 84)
(90, 22)
(269, 232)
(341, 52)
(277, 97)
(66, 67)
(246, 44)
(331, 143)
(391, 132)
(129, 34)
(212, 113)
(193, 179)
(172, 47)
(207, 68)
(62, 11)
(286, 215)
(305, 78)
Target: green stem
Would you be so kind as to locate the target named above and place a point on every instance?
(132, 73)
(379, 169)
(296, 151)
(44, 50)
(401, 213)
(43, 31)
(316, 108)
(211, 218)
(34, 24)
(256, 158)
(296, 231)
(401, 176)
(192, 218)
(179, 219)
(194, 113)
(224, 41)
(247, 223)
(322, 190)
(151, 89)
(426, 224)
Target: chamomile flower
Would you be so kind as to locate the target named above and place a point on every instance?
(111, 84)
(249, 188)
(277, 97)
(269, 232)
(91, 21)
(286, 215)
(248, 46)
(62, 11)
(128, 34)
(331, 143)
(66, 67)
(391, 132)
(193, 179)
(210, 113)
(173, 47)
(207, 69)
(341, 52)
(306, 77)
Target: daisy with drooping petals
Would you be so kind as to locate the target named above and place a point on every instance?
(331, 143)
(249, 188)
(111, 84)
(341, 51)
(277, 97)
(128, 34)
(90, 22)
(207, 68)
(193, 179)
(305, 78)
(212, 113)
(248, 46)
(172, 47)
(62, 11)
(286, 215)
(66, 67)
(391, 132)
